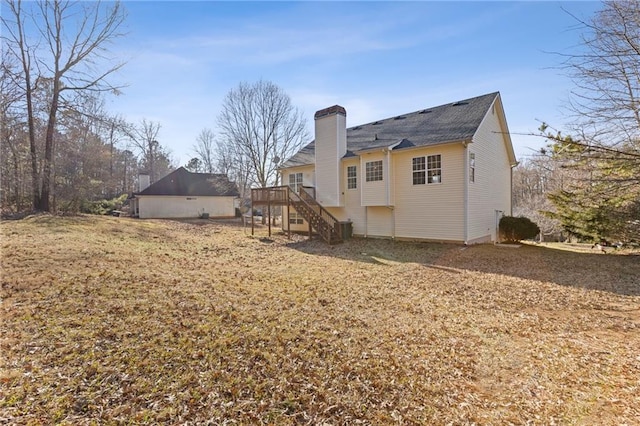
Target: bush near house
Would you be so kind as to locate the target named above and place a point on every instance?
(514, 229)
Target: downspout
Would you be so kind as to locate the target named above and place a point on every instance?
(465, 207)
(389, 206)
(388, 195)
(366, 224)
(511, 188)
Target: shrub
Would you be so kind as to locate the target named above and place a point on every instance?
(103, 206)
(514, 229)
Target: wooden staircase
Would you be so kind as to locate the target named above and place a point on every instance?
(320, 220)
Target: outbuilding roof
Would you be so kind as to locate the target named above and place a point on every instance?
(182, 182)
(452, 122)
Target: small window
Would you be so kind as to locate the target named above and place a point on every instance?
(295, 218)
(434, 169)
(472, 167)
(352, 177)
(374, 171)
(419, 171)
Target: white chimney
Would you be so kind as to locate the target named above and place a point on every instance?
(331, 146)
(144, 181)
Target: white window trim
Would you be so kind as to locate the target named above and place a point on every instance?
(353, 178)
(431, 179)
(371, 173)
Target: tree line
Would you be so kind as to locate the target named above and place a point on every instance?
(61, 150)
(586, 182)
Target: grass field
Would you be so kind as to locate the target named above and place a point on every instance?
(121, 321)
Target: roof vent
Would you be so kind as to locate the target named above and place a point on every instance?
(460, 103)
(357, 128)
(400, 117)
(425, 111)
(377, 123)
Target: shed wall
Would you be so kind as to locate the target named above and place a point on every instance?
(158, 206)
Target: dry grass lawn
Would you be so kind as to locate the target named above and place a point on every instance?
(121, 321)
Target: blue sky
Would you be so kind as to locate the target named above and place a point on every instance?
(377, 59)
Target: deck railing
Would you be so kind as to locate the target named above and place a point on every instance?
(323, 222)
(274, 194)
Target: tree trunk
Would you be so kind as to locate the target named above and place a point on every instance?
(48, 149)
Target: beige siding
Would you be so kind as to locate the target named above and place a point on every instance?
(331, 145)
(430, 211)
(491, 189)
(379, 222)
(374, 193)
(352, 211)
(184, 207)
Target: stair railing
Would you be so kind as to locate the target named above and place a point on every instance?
(320, 219)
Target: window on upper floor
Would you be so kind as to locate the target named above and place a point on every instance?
(352, 177)
(427, 169)
(419, 171)
(434, 168)
(472, 167)
(373, 171)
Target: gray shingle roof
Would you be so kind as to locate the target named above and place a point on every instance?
(182, 182)
(451, 122)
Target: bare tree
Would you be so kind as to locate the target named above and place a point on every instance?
(533, 180)
(603, 147)
(69, 55)
(205, 150)
(259, 126)
(606, 75)
(144, 138)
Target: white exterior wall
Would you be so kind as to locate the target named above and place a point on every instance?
(374, 193)
(491, 190)
(331, 146)
(430, 211)
(159, 206)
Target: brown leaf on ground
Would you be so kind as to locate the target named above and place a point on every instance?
(115, 320)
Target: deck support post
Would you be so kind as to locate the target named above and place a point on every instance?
(288, 215)
(269, 210)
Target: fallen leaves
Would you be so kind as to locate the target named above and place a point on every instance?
(111, 320)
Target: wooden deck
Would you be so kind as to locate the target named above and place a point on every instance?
(304, 203)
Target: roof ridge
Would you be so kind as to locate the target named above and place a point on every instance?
(448, 104)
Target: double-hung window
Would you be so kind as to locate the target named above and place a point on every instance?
(434, 168)
(373, 171)
(352, 177)
(295, 218)
(419, 171)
